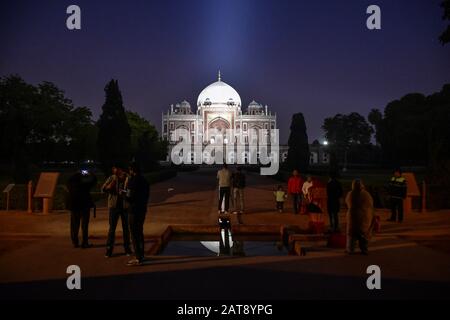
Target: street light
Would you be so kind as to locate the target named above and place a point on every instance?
(325, 143)
(345, 161)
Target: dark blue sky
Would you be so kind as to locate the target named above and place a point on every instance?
(316, 57)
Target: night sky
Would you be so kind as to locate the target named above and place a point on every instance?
(316, 57)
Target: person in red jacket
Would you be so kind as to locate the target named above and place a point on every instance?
(295, 184)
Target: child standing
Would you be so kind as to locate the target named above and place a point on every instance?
(280, 197)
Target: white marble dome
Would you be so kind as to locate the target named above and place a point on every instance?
(185, 104)
(219, 94)
(255, 104)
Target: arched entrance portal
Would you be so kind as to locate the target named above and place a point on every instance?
(220, 125)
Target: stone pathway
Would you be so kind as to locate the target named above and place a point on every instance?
(35, 251)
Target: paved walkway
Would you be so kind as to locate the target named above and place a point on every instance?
(35, 251)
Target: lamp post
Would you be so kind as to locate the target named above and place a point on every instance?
(325, 144)
(345, 160)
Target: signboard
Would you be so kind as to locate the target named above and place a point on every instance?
(9, 187)
(46, 185)
(411, 183)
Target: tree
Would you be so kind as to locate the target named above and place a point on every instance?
(83, 134)
(445, 36)
(347, 135)
(147, 148)
(405, 130)
(298, 154)
(50, 123)
(414, 130)
(439, 136)
(114, 142)
(38, 124)
(16, 101)
(375, 118)
(344, 131)
(145, 153)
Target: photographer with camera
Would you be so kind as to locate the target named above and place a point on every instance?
(114, 186)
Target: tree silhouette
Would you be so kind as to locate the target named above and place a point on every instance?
(344, 131)
(445, 36)
(39, 124)
(298, 154)
(375, 118)
(348, 137)
(113, 143)
(439, 136)
(414, 130)
(146, 146)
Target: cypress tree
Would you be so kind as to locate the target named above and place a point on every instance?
(298, 154)
(113, 142)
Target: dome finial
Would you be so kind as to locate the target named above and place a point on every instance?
(219, 77)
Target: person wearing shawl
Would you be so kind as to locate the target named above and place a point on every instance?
(359, 217)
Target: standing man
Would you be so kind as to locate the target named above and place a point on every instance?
(334, 194)
(295, 184)
(238, 189)
(397, 192)
(115, 188)
(224, 177)
(138, 193)
(79, 202)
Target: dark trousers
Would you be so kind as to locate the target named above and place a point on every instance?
(362, 241)
(114, 215)
(79, 217)
(137, 233)
(397, 208)
(334, 220)
(296, 202)
(224, 192)
(280, 205)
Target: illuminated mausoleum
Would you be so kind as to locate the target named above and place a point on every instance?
(218, 110)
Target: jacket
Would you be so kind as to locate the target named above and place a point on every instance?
(295, 185)
(79, 196)
(114, 193)
(138, 194)
(224, 177)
